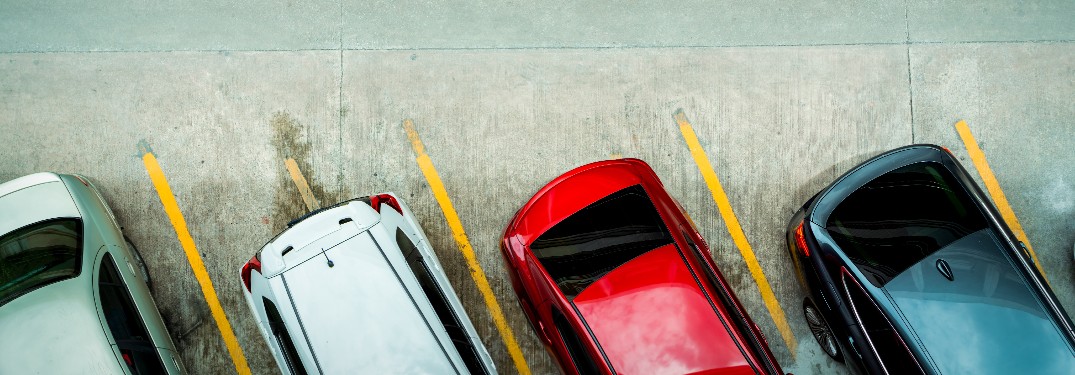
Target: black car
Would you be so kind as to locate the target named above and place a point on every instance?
(909, 269)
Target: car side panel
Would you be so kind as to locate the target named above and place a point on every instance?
(407, 222)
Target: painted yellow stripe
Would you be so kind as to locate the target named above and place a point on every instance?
(300, 182)
(993, 187)
(476, 272)
(195, 259)
(740, 239)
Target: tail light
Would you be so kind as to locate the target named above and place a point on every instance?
(377, 200)
(800, 239)
(253, 265)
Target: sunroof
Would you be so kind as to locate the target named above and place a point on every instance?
(606, 234)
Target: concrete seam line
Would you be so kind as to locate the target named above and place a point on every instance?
(461, 240)
(171, 208)
(992, 186)
(736, 231)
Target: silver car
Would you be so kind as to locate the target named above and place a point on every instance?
(73, 294)
(356, 289)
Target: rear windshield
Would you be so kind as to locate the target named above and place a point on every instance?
(587, 245)
(38, 254)
(901, 217)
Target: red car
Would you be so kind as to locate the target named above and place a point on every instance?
(614, 278)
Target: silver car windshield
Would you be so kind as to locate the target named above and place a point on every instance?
(37, 255)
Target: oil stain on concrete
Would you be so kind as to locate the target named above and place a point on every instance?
(290, 141)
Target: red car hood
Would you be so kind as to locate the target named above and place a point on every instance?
(650, 317)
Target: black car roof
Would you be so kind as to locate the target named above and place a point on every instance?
(986, 319)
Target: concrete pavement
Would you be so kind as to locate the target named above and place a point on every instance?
(784, 98)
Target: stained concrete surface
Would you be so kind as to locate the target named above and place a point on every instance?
(508, 96)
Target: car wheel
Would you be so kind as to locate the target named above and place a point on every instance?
(143, 271)
(821, 331)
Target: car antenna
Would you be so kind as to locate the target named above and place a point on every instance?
(330, 264)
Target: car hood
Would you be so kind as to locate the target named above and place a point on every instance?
(55, 329)
(650, 317)
(986, 319)
(32, 199)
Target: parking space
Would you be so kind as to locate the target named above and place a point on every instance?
(503, 107)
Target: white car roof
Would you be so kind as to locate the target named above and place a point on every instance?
(356, 314)
(30, 199)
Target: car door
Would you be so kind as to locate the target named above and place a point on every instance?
(131, 339)
(142, 296)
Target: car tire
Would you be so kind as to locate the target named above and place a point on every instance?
(143, 271)
(821, 331)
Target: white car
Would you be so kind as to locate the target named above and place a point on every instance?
(356, 289)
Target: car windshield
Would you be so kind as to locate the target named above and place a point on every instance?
(606, 234)
(37, 255)
(901, 217)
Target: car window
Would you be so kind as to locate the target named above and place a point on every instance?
(901, 217)
(283, 339)
(579, 356)
(436, 297)
(886, 343)
(125, 323)
(39, 254)
(606, 234)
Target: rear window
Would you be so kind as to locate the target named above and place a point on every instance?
(901, 217)
(597, 239)
(39, 254)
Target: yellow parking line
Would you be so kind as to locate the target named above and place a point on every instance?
(735, 230)
(195, 259)
(476, 272)
(993, 187)
(300, 182)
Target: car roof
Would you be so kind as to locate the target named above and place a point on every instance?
(363, 313)
(651, 317)
(54, 330)
(30, 199)
(616, 305)
(987, 319)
